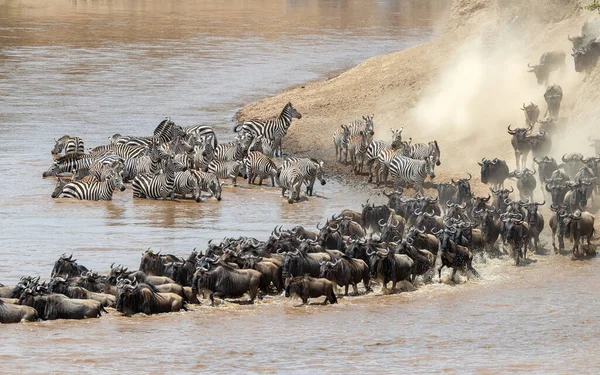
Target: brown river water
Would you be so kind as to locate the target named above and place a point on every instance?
(92, 69)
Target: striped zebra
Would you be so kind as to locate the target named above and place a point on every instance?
(290, 178)
(228, 169)
(68, 163)
(386, 156)
(208, 182)
(406, 171)
(165, 132)
(353, 128)
(149, 164)
(311, 169)
(264, 145)
(202, 131)
(103, 166)
(261, 166)
(376, 147)
(186, 183)
(422, 151)
(273, 129)
(71, 145)
(234, 150)
(341, 138)
(124, 151)
(204, 153)
(93, 191)
(357, 147)
(58, 188)
(158, 186)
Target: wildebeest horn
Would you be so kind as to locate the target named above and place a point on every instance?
(463, 206)
(370, 252)
(510, 131)
(318, 225)
(507, 201)
(381, 225)
(470, 177)
(427, 214)
(523, 108)
(563, 159)
(540, 204)
(421, 231)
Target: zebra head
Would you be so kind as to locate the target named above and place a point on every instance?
(216, 188)
(115, 178)
(293, 112)
(435, 152)
(396, 138)
(114, 138)
(430, 166)
(60, 144)
(53, 170)
(321, 172)
(368, 122)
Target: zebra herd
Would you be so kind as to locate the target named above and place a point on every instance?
(176, 161)
(409, 164)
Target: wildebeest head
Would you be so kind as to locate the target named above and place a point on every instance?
(546, 166)
(541, 71)
(532, 211)
(116, 273)
(585, 57)
(513, 226)
(557, 190)
(463, 189)
(151, 263)
(390, 230)
(371, 214)
(327, 270)
(520, 134)
(394, 198)
(577, 41)
(67, 267)
(493, 171)
(579, 189)
(532, 113)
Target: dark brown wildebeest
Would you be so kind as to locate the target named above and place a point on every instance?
(574, 226)
(11, 313)
(346, 271)
(133, 298)
(67, 267)
(310, 287)
(227, 282)
(553, 97)
(535, 220)
(386, 266)
(60, 286)
(494, 172)
(521, 144)
(549, 62)
(532, 113)
(454, 256)
(58, 306)
(270, 272)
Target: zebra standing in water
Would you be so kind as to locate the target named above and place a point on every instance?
(165, 132)
(149, 164)
(342, 135)
(159, 186)
(358, 147)
(290, 178)
(124, 151)
(204, 153)
(407, 171)
(234, 150)
(272, 129)
(311, 170)
(376, 147)
(186, 183)
(93, 191)
(71, 145)
(69, 163)
(228, 169)
(208, 182)
(261, 166)
(422, 151)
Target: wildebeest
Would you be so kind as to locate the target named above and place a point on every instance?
(548, 126)
(310, 287)
(372, 215)
(549, 62)
(546, 166)
(392, 229)
(526, 183)
(60, 286)
(270, 272)
(446, 191)
(58, 306)
(67, 267)
(134, 297)
(428, 221)
(501, 196)
(153, 264)
(574, 226)
(553, 97)
(557, 190)
(516, 234)
(532, 113)
(11, 313)
(586, 57)
(454, 256)
(421, 240)
(521, 144)
(346, 271)
(490, 227)
(572, 162)
(297, 263)
(541, 144)
(576, 198)
(463, 190)
(227, 282)
(535, 221)
(386, 266)
(494, 172)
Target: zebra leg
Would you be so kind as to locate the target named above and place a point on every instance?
(260, 180)
(283, 191)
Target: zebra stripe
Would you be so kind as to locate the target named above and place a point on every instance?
(204, 154)
(67, 164)
(186, 183)
(124, 151)
(159, 186)
(375, 147)
(407, 171)
(386, 156)
(233, 150)
(290, 178)
(71, 145)
(358, 147)
(93, 191)
(261, 166)
(208, 182)
(165, 132)
(422, 151)
(311, 170)
(227, 169)
(274, 128)
(202, 131)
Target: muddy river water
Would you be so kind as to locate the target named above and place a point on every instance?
(93, 69)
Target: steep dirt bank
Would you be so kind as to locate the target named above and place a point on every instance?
(462, 89)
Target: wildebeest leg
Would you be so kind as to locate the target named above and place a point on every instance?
(346, 289)
(355, 287)
(453, 274)
(440, 273)
(212, 299)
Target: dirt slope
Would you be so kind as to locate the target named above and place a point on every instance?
(462, 89)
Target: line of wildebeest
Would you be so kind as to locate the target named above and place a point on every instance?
(403, 241)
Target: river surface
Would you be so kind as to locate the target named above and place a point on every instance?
(92, 69)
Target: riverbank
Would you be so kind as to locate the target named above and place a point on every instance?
(462, 88)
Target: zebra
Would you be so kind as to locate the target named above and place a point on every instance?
(149, 164)
(93, 191)
(234, 150)
(60, 184)
(290, 178)
(208, 182)
(357, 146)
(264, 145)
(68, 163)
(124, 151)
(202, 131)
(375, 147)
(203, 154)
(165, 132)
(186, 183)
(102, 167)
(311, 169)
(261, 166)
(340, 140)
(227, 169)
(422, 151)
(159, 186)
(405, 170)
(71, 145)
(385, 157)
(273, 129)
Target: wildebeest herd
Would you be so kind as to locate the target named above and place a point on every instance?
(408, 240)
